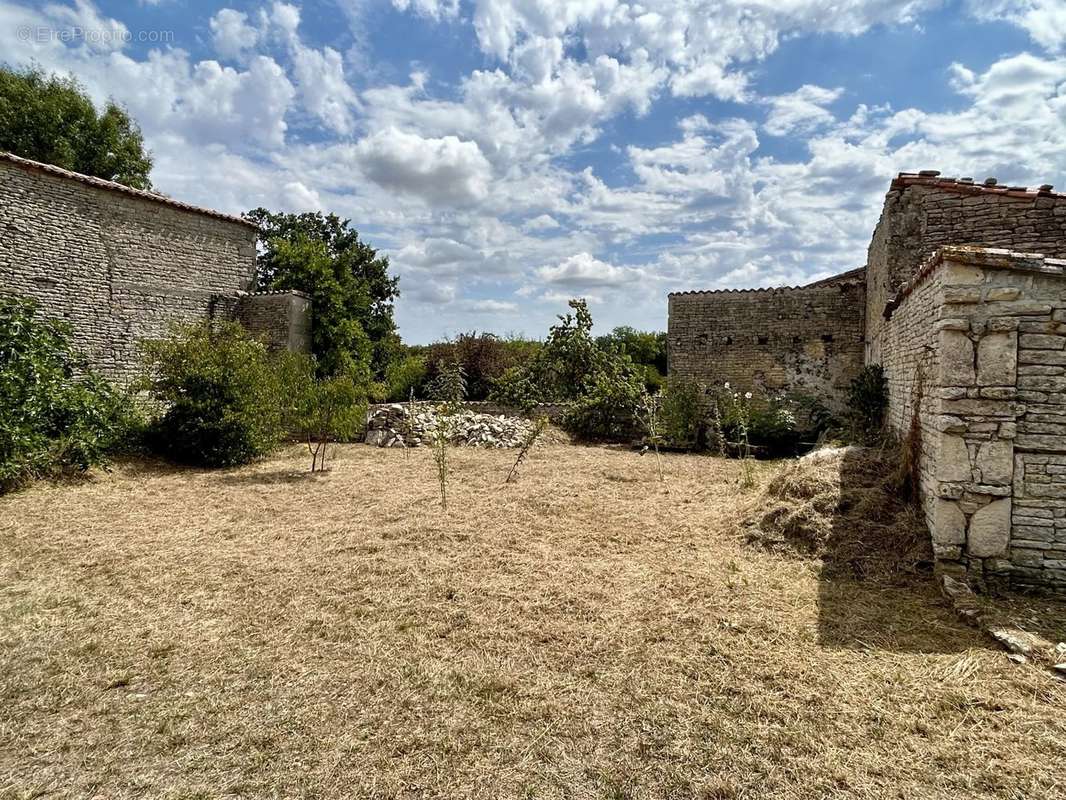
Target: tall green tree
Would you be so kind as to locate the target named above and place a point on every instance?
(51, 119)
(350, 285)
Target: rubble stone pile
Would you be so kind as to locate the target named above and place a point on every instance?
(388, 426)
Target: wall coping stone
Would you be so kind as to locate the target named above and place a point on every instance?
(100, 183)
(857, 275)
(931, 177)
(986, 257)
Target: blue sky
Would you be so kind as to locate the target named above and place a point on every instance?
(510, 154)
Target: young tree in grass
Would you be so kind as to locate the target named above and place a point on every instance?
(52, 119)
(323, 410)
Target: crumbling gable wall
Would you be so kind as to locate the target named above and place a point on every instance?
(975, 355)
(120, 265)
(802, 340)
(923, 212)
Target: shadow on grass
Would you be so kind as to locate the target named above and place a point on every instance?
(252, 477)
(876, 586)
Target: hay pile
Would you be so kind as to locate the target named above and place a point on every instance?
(840, 505)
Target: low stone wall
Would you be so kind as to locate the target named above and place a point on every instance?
(553, 411)
(976, 345)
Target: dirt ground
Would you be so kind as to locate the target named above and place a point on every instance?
(585, 632)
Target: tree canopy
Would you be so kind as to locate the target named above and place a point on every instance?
(52, 119)
(349, 283)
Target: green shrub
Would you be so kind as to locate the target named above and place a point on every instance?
(402, 376)
(602, 384)
(321, 410)
(56, 415)
(223, 396)
(768, 419)
(867, 403)
(685, 414)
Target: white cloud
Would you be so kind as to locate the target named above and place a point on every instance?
(801, 111)
(442, 171)
(1045, 20)
(491, 306)
(231, 34)
(585, 272)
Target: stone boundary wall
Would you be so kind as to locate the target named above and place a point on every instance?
(116, 263)
(923, 212)
(280, 319)
(988, 328)
(804, 340)
(554, 411)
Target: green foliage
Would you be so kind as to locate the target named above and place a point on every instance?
(450, 384)
(223, 395)
(56, 416)
(404, 376)
(762, 422)
(867, 403)
(321, 410)
(483, 356)
(602, 384)
(352, 292)
(686, 418)
(52, 119)
(647, 349)
(609, 408)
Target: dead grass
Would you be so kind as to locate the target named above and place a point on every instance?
(585, 632)
(841, 505)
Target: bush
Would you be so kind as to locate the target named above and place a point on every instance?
(403, 376)
(686, 417)
(56, 415)
(770, 421)
(322, 410)
(603, 385)
(867, 403)
(484, 359)
(223, 395)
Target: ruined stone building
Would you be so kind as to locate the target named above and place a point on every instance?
(963, 302)
(122, 264)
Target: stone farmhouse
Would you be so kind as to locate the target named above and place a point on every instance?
(122, 264)
(963, 301)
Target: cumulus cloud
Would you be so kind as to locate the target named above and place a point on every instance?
(801, 111)
(231, 33)
(583, 271)
(442, 171)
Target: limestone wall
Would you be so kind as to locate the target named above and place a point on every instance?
(117, 264)
(803, 340)
(987, 328)
(923, 212)
(281, 319)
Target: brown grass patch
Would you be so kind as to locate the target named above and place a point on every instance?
(585, 632)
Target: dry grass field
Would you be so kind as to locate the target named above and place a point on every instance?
(585, 632)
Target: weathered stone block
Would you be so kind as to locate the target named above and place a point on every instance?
(956, 359)
(953, 460)
(994, 462)
(949, 523)
(989, 530)
(997, 359)
(1039, 341)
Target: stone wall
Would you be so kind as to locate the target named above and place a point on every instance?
(118, 264)
(804, 340)
(281, 319)
(923, 212)
(986, 330)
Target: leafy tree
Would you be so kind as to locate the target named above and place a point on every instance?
(51, 119)
(647, 349)
(322, 410)
(56, 415)
(601, 383)
(351, 289)
(484, 357)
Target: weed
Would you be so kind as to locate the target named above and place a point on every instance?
(539, 425)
